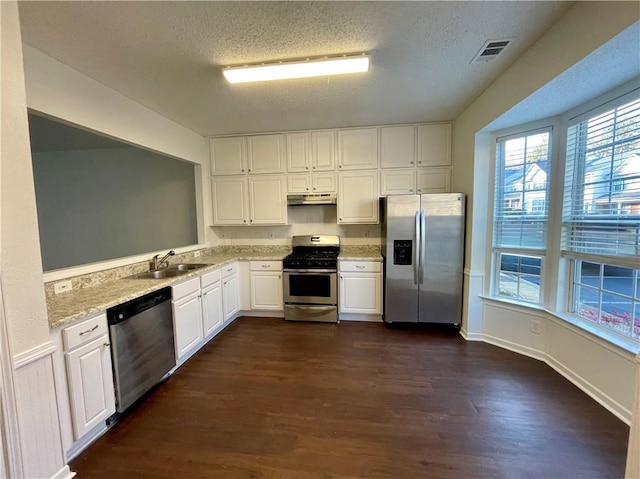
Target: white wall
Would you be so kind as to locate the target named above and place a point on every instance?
(580, 31)
(57, 90)
(602, 370)
(35, 442)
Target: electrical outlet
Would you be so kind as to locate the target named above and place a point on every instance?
(62, 286)
(197, 254)
(535, 326)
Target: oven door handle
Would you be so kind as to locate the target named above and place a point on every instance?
(324, 271)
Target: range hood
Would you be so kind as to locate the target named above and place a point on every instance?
(312, 199)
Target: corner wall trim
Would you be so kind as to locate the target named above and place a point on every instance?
(23, 359)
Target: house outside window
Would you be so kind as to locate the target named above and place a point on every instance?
(601, 216)
(520, 214)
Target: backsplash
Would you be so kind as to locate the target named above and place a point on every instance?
(304, 220)
(112, 274)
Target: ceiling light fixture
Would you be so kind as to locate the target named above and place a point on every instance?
(311, 67)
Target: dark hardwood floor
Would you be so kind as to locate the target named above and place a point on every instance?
(270, 399)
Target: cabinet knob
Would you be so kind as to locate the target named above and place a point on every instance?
(307, 189)
(411, 162)
(313, 168)
(340, 219)
(244, 221)
(279, 276)
(411, 190)
(242, 170)
(106, 345)
(339, 166)
(249, 170)
(308, 167)
(314, 188)
(420, 162)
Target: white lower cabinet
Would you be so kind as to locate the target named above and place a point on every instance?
(187, 324)
(266, 285)
(360, 287)
(212, 311)
(230, 291)
(89, 374)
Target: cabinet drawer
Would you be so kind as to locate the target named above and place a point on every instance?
(361, 266)
(265, 265)
(229, 269)
(183, 289)
(210, 278)
(85, 331)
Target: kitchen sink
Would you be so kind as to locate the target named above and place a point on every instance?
(170, 271)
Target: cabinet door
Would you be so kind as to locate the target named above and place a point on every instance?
(230, 296)
(266, 153)
(434, 145)
(299, 183)
(266, 290)
(228, 155)
(268, 200)
(187, 324)
(323, 148)
(298, 152)
(90, 385)
(397, 182)
(358, 197)
(229, 198)
(324, 182)
(434, 180)
(361, 293)
(212, 313)
(398, 146)
(358, 149)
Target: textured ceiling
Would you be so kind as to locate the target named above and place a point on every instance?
(168, 56)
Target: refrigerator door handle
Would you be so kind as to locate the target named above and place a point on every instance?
(416, 259)
(423, 243)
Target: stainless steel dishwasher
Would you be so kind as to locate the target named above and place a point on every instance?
(142, 347)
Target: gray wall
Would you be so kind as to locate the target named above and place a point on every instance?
(99, 204)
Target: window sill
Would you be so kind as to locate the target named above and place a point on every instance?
(584, 326)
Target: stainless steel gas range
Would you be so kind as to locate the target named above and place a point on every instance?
(311, 279)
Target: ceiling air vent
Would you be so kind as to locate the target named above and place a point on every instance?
(490, 50)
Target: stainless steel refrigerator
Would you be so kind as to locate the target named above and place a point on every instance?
(423, 249)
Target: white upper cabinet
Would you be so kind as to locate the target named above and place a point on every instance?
(323, 182)
(397, 146)
(266, 154)
(268, 200)
(323, 150)
(229, 200)
(434, 145)
(298, 152)
(434, 180)
(358, 197)
(397, 182)
(299, 183)
(358, 149)
(228, 155)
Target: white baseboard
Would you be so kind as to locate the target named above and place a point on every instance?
(515, 347)
(64, 473)
(596, 394)
(264, 314)
(470, 336)
(370, 318)
(86, 441)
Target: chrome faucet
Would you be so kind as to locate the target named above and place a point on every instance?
(157, 263)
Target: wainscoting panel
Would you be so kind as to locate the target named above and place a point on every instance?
(40, 440)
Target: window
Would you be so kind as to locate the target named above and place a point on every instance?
(521, 213)
(601, 216)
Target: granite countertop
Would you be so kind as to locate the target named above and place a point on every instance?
(360, 253)
(81, 303)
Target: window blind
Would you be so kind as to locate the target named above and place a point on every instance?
(601, 213)
(521, 190)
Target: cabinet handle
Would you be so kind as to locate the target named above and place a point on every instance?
(360, 266)
(266, 266)
(106, 345)
(89, 330)
(230, 270)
